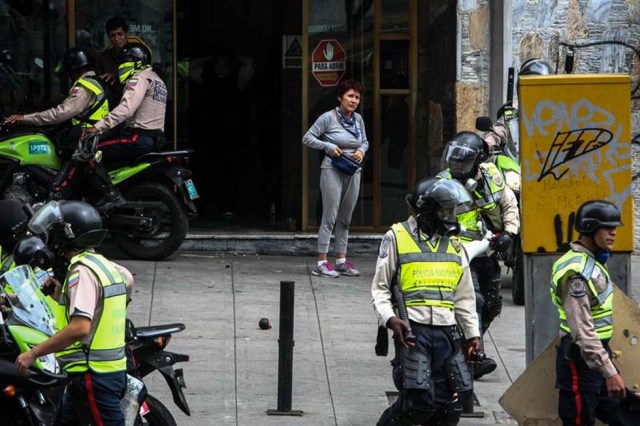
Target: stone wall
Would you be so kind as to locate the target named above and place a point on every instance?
(539, 29)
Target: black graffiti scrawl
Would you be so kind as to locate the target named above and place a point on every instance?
(570, 145)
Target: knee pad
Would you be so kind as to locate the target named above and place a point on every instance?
(416, 370)
(458, 373)
(415, 412)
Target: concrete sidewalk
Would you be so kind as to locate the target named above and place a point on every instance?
(337, 379)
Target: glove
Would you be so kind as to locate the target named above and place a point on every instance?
(502, 242)
(503, 109)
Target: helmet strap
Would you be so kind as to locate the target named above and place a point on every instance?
(602, 255)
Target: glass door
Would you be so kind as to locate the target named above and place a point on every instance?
(372, 41)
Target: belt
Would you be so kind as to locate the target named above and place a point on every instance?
(147, 132)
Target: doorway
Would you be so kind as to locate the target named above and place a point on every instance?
(234, 102)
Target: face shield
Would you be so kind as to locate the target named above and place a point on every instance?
(460, 160)
(45, 218)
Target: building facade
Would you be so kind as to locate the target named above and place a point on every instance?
(429, 69)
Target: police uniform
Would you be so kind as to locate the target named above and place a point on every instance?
(85, 104)
(142, 109)
(97, 289)
(438, 291)
(497, 204)
(582, 290)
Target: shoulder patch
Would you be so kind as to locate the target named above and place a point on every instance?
(577, 285)
(384, 247)
(74, 279)
(497, 178)
(75, 89)
(132, 82)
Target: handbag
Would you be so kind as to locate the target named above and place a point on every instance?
(346, 164)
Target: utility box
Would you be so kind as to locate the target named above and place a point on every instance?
(575, 146)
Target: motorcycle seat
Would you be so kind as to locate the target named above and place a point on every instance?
(158, 330)
(152, 156)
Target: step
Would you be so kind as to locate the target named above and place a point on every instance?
(275, 243)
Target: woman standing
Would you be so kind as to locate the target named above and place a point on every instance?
(339, 132)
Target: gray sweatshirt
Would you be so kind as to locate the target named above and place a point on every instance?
(327, 133)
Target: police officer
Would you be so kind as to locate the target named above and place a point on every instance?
(13, 226)
(91, 343)
(495, 205)
(498, 135)
(142, 109)
(85, 105)
(426, 261)
(590, 386)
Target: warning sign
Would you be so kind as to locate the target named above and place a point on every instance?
(292, 51)
(328, 62)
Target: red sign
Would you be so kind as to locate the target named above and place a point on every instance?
(328, 62)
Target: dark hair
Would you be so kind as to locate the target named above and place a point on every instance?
(115, 23)
(347, 85)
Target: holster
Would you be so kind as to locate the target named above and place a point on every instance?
(568, 350)
(416, 370)
(382, 341)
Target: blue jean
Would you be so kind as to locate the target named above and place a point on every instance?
(94, 399)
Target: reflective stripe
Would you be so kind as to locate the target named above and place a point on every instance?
(94, 355)
(429, 257)
(98, 109)
(435, 294)
(473, 235)
(115, 290)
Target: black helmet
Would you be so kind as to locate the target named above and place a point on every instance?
(434, 201)
(75, 58)
(464, 153)
(137, 51)
(593, 215)
(69, 224)
(535, 67)
(32, 251)
(14, 218)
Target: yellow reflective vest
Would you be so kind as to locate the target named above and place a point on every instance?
(105, 353)
(100, 107)
(577, 263)
(429, 274)
(469, 213)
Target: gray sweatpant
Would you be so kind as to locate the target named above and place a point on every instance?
(339, 197)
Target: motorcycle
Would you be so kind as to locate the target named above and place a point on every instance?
(37, 399)
(147, 346)
(506, 157)
(25, 322)
(157, 186)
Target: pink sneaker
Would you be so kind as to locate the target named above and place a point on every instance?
(325, 270)
(347, 269)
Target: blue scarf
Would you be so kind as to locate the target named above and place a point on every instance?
(349, 124)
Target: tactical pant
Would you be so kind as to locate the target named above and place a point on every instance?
(94, 399)
(485, 273)
(435, 403)
(583, 392)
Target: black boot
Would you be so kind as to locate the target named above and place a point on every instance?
(99, 178)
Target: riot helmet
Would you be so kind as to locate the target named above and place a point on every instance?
(535, 66)
(13, 222)
(34, 252)
(68, 225)
(76, 58)
(597, 214)
(133, 57)
(434, 203)
(464, 154)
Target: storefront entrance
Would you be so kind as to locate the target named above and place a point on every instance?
(404, 52)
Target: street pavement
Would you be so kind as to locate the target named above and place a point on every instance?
(232, 376)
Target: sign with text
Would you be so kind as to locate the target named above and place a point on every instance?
(328, 62)
(575, 146)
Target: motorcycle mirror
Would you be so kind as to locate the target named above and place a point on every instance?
(484, 123)
(39, 63)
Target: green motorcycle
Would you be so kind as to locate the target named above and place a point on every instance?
(25, 322)
(157, 186)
